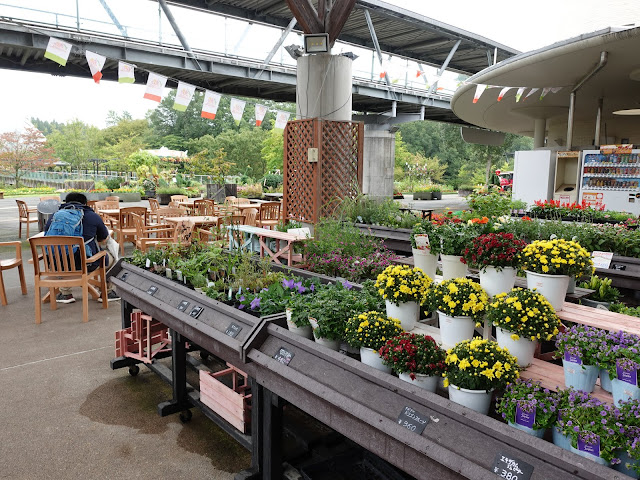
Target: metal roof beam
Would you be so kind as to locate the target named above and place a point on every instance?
(444, 66)
(114, 19)
(176, 28)
(374, 38)
(278, 44)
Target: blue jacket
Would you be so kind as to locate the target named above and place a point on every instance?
(92, 226)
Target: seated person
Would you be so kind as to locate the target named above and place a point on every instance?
(94, 232)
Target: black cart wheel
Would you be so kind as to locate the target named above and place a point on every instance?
(134, 370)
(185, 416)
(204, 355)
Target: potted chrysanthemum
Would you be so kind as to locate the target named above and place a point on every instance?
(475, 368)
(578, 347)
(369, 331)
(403, 289)
(550, 264)
(497, 256)
(461, 304)
(522, 318)
(528, 406)
(415, 358)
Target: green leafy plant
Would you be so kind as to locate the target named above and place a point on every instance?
(525, 313)
(171, 191)
(603, 290)
(413, 353)
(113, 183)
(480, 365)
(371, 330)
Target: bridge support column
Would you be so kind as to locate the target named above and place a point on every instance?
(324, 87)
(378, 161)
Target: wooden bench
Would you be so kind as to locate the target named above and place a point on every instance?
(426, 212)
(262, 235)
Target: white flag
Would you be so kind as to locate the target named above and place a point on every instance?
(281, 120)
(237, 109)
(96, 62)
(126, 73)
(502, 92)
(155, 85)
(261, 110)
(58, 51)
(184, 94)
(210, 104)
(479, 91)
(531, 92)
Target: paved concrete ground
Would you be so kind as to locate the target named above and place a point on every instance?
(450, 202)
(64, 414)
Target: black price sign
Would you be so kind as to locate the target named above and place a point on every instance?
(283, 356)
(412, 420)
(152, 290)
(183, 306)
(124, 276)
(195, 312)
(616, 266)
(233, 330)
(510, 468)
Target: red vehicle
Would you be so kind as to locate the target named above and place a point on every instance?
(506, 180)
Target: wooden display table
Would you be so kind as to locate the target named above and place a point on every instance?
(262, 234)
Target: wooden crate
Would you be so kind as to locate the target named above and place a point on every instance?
(144, 339)
(233, 404)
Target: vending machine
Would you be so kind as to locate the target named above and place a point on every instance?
(610, 177)
(567, 178)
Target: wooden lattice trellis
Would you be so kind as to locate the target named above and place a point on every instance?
(313, 190)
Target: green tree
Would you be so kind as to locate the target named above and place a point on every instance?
(213, 164)
(45, 126)
(273, 150)
(76, 143)
(20, 152)
(243, 149)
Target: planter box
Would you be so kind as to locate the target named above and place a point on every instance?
(91, 196)
(436, 195)
(422, 196)
(231, 403)
(128, 196)
(164, 198)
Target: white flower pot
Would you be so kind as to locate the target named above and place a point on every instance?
(330, 344)
(370, 357)
(496, 281)
(406, 312)
(425, 261)
(306, 331)
(523, 348)
(553, 287)
(426, 382)
(572, 285)
(478, 400)
(454, 330)
(452, 267)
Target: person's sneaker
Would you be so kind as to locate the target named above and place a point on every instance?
(60, 298)
(111, 297)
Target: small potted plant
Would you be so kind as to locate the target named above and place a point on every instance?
(629, 455)
(578, 347)
(566, 399)
(595, 430)
(454, 238)
(528, 406)
(606, 358)
(436, 192)
(425, 247)
(522, 318)
(163, 194)
(604, 293)
(475, 368)
(403, 289)
(497, 256)
(624, 376)
(369, 331)
(415, 358)
(461, 304)
(549, 265)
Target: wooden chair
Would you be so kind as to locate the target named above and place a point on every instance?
(113, 198)
(165, 212)
(25, 216)
(250, 216)
(54, 267)
(12, 263)
(241, 201)
(98, 206)
(229, 200)
(51, 197)
(125, 229)
(153, 204)
(143, 239)
(269, 215)
(204, 207)
(92, 205)
(179, 198)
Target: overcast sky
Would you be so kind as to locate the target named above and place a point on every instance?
(521, 25)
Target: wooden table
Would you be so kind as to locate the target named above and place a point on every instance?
(263, 234)
(196, 220)
(426, 212)
(245, 206)
(273, 196)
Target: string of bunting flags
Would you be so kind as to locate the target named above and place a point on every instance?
(58, 51)
(480, 89)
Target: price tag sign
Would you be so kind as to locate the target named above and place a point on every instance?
(152, 290)
(510, 468)
(183, 306)
(124, 276)
(601, 259)
(412, 420)
(195, 312)
(233, 330)
(283, 356)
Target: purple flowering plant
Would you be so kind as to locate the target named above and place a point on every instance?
(611, 349)
(275, 298)
(528, 397)
(595, 422)
(581, 341)
(631, 413)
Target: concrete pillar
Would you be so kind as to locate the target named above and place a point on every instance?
(378, 161)
(539, 132)
(324, 87)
